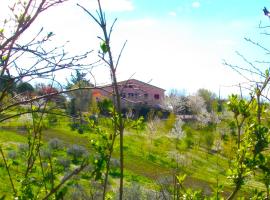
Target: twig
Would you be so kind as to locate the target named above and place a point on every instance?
(120, 54)
(257, 44)
(111, 29)
(65, 179)
(8, 171)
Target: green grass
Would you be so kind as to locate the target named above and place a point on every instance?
(148, 157)
(7, 137)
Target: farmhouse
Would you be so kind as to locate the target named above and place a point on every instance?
(134, 93)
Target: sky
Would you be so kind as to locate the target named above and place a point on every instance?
(173, 44)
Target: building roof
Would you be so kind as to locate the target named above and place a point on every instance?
(130, 80)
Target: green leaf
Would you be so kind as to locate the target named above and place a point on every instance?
(104, 47)
(21, 18)
(61, 193)
(49, 34)
(3, 197)
(181, 178)
(109, 197)
(4, 58)
(267, 73)
(15, 162)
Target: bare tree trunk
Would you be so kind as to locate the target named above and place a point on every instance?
(117, 97)
(232, 195)
(108, 168)
(101, 21)
(121, 131)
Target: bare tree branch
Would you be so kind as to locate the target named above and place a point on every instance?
(65, 179)
(120, 54)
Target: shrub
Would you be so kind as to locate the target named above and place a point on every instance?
(78, 193)
(133, 192)
(45, 165)
(76, 152)
(2, 164)
(45, 153)
(65, 162)
(170, 122)
(74, 126)
(152, 157)
(209, 139)
(52, 120)
(12, 154)
(189, 139)
(80, 130)
(152, 194)
(23, 149)
(115, 163)
(55, 144)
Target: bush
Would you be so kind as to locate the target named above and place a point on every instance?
(209, 139)
(78, 193)
(45, 165)
(189, 139)
(115, 163)
(134, 192)
(105, 107)
(170, 122)
(81, 128)
(12, 154)
(55, 144)
(65, 162)
(152, 194)
(23, 149)
(45, 153)
(152, 157)
(74, 126)
(52, 120)
(76, 152)
(2, 164)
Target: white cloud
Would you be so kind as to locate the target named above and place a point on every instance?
(172, 13)
(113, 5)
(196, 4)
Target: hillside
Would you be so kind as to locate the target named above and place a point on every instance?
(152, 157)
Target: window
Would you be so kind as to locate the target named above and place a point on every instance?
(156, 96)
(136, 95)
(123, 95)
(130, 95)
(130, 86)
(145, 96)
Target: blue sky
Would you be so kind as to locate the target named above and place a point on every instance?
(172, 43)
(212, 10)
(182, 44)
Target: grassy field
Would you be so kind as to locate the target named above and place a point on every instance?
(151, 157)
